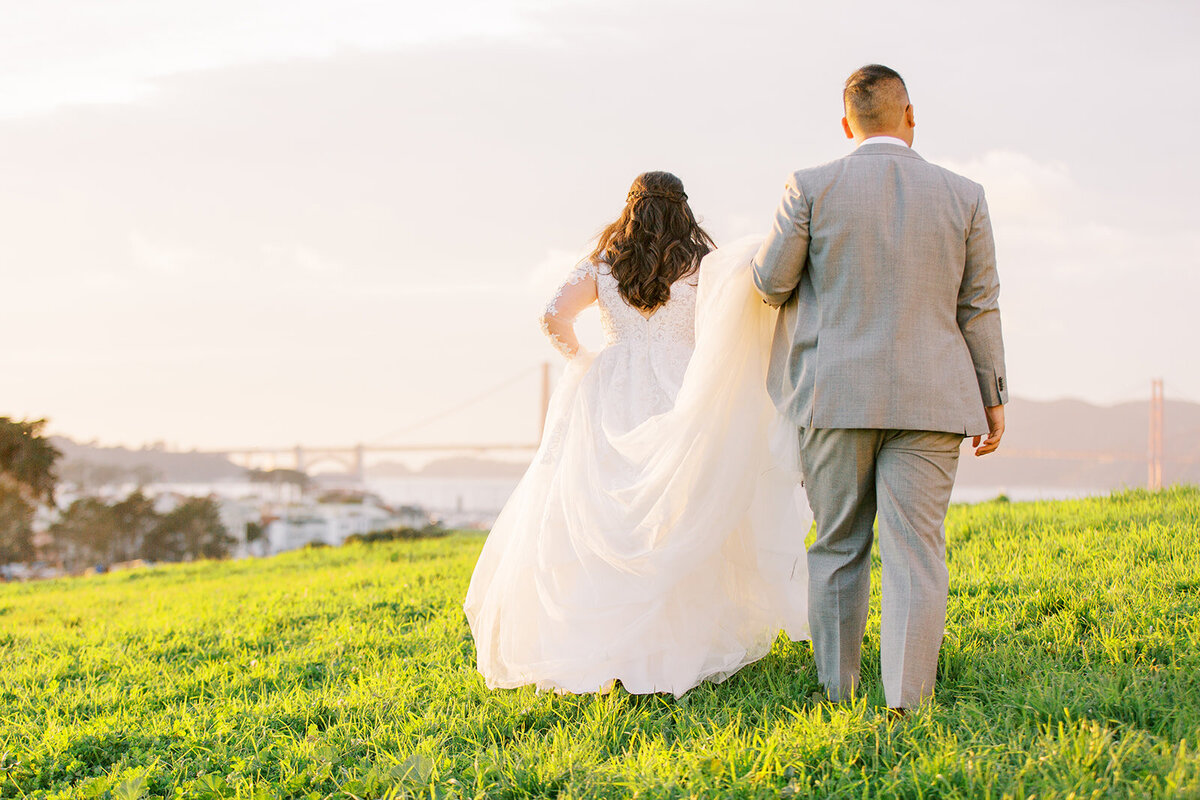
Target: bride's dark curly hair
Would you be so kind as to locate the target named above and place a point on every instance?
(655, 242)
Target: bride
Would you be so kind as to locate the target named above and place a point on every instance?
(657, 538)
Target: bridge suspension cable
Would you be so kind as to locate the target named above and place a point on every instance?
(463, 406)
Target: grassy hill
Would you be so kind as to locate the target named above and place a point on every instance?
(1070, 669)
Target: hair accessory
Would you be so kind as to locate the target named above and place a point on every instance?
(637, 194)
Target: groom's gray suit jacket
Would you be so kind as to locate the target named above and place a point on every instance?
(885, 270)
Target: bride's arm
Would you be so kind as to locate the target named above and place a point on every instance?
(575, 294)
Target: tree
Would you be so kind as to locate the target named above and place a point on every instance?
(192, 530)
(254, 531)
(91, 531)
(134, 522)
(16, 526)
(27, 458)
(26, 478)
(84, 533)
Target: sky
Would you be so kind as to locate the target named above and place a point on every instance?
(260, 223)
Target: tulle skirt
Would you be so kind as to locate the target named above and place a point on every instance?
(660, 553)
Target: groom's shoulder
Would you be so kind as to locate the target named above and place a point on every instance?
(819, 174)
(811, 180)
(961, 184)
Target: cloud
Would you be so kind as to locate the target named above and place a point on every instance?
(1045, 220)
(161, 258)
(1025, 190)
(79, 52)
(1091, 308)
(279, 257)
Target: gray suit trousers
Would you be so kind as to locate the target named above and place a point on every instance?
(904, 478)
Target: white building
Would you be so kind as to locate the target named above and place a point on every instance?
(332, 523)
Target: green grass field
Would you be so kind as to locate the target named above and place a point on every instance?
(1070, 669)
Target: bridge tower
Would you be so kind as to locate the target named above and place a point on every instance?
(360, 463)
(1155, 449)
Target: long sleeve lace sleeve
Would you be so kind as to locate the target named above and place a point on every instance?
(575, 294)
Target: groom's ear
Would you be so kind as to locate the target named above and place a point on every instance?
(846, 128)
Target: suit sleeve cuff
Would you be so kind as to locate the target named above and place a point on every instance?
(994, 389)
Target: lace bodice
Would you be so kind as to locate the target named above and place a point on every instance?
(671, 327)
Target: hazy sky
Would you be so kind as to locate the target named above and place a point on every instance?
(262, 222)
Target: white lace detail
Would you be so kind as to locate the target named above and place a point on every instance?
(571, 297)
(580, 272)
(673, 324)
(663, 343)
(556, 341)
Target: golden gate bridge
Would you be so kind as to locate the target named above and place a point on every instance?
(353, 458)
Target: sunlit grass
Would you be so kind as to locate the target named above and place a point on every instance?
(1070, 669)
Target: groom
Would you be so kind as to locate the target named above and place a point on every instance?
(887, 352)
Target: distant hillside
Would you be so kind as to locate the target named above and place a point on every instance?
(158, 464)
(1076, 426)
(1072, 426)
(1057, 426)
(118, 464)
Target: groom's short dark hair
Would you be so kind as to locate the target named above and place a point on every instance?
(869, 95)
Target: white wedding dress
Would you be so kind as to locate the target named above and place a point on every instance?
(657, 538)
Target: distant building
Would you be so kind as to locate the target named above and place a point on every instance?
(412, 517)
(332, 522)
